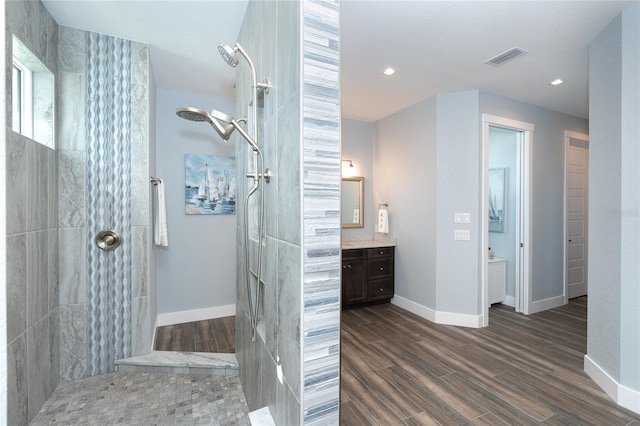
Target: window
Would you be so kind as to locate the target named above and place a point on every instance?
(32, 97)
(22, 99)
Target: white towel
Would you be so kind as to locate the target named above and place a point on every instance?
(383, 221)
(160, 232)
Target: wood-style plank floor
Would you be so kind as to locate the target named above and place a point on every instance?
(399, 369)
(214, 335)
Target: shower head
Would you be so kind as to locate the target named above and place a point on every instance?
(228, 54)
(192, 114)
(213, 118)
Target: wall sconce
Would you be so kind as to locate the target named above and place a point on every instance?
(347, 167)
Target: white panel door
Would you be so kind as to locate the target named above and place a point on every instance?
(577, 216)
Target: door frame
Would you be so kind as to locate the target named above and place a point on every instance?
(523, 213)
(568, 135)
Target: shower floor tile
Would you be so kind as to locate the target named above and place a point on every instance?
(146, 399)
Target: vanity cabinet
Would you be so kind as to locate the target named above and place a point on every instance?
(497, 280)
(367, 276)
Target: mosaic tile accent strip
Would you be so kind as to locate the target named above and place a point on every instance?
(321, 210)
(146, 399)
(108, 132)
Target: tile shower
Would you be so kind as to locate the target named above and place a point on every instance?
(56, 198)
(51, 293)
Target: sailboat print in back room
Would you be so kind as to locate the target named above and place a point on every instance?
(210, 184)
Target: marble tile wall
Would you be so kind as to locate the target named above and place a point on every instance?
(33, 330)
(46, 219)
(321, 212)
(72, 163)
(72, 195)
(302, 256)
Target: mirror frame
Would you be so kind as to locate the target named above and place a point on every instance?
(359, 179)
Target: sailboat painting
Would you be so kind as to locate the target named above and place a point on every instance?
(496, 200)
(209, 184)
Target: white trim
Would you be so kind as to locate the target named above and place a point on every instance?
(153, 335)
(523, 223)
(544, 304)
(439, 317)
(629, 398)
(510, 301)
(170, 318)
(460, 320)
(622, 395)
(415, 308)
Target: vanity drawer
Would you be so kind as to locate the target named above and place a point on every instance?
(354, 254)
(380, 289)
(380, 268)
(374, 253)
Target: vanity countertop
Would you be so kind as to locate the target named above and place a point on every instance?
(346, 245)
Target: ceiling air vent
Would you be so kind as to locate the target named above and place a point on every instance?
(504, 57)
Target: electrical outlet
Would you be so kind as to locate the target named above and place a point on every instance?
(462, 218)
(461, 234)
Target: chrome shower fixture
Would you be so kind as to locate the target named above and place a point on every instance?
(224, 124)
(213, 118)
(228, 53)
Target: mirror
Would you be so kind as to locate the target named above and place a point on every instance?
(352, 202)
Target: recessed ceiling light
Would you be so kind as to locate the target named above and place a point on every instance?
(389, 71)
(557, 82)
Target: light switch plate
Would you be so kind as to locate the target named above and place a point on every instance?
(461, 234)
(462, 217)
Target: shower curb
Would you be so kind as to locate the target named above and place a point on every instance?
(169, 362)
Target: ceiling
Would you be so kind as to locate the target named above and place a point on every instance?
(435, 46)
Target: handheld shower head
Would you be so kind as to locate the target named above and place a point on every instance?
(192, 114)
(195, 114)
(228, 54)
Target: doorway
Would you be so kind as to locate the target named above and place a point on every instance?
(576, 208)
(507, 184)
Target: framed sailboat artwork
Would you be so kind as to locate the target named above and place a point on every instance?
(209, 184)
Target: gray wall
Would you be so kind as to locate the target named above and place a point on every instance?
(357, 145)
(404, 174)
(3, 232)
(198, 268)
(457, 190)
(427, 164)
(503, 145)
(271, 35)
(33, 329)
(614, 339)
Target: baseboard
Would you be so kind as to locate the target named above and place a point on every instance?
(448, 318)
(544, 304)
(414, 308)
(622, 395)
(460, 320)
(170, 318)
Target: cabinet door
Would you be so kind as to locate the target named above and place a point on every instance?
(354, 282)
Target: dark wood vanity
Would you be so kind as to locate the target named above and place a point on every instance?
(367, 276)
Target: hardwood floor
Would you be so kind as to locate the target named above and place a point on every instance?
(215, 335)
(399, 369)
